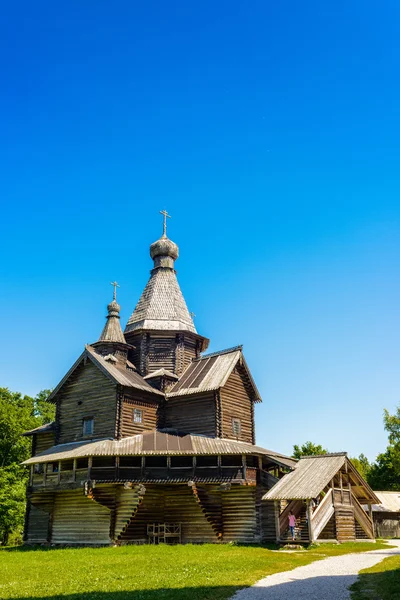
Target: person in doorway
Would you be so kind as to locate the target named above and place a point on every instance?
(292, 525)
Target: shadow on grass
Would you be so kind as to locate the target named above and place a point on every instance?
(45, 548)
(312, 588)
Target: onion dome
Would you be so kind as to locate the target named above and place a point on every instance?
(112, 331)
(164, 248)
(113, 309)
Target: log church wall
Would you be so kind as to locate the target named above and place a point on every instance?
(87, 393)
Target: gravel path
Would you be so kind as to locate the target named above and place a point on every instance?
(326, 579)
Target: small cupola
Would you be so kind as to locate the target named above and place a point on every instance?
(112, 344)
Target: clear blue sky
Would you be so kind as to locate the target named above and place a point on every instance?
(270, 131)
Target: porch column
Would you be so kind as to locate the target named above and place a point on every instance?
(277, 527)
(310, 521)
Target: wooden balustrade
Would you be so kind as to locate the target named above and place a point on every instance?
(117, 472)
(322, 514)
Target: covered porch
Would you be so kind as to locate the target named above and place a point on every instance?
(325, 493)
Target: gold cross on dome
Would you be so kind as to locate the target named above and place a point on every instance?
(166, 215)
(115, 284)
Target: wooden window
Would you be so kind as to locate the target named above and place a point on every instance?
(236, 427)
(38, 468)
(137, 415)
(88, 426)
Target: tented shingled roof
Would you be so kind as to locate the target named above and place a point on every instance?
(161, 305)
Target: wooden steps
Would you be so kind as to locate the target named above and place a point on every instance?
(210, 508)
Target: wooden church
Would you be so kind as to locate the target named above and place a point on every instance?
(154, 441)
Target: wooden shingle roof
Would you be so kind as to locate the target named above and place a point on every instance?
(311, 475)
(211, 372)
(155, 442)
(47, 428)
(161, 305)
(116, 371)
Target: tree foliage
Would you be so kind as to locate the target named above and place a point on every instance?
(308, 449)
(362, 465)
(384, 474)
(17, 414)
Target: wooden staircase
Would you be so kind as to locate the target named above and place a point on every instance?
(123, 504)
(301, 530)
(210, 508)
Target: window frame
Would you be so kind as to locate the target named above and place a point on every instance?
(238, 422)
(86, 420)
(135, 412)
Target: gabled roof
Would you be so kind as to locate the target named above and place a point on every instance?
(311, 475)
(211, 372)
(389, 502)
(47, 428)
(161, 373)
(167, 442)
(161, 305)
(118, 373)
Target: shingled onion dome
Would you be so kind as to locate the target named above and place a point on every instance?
(112, 343)
(164, 252)
(162, 305)
(112, 331)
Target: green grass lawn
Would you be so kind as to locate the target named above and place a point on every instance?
(149, 572)
(381, 582)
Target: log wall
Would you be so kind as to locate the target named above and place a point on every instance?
(159, 350)
(239, 515)
(268, 529)
(192, 414)
(87, 393)
(37, 525)
(149, 408)
(236, 404)
(42, 441)
(79, 520)
(387, 524)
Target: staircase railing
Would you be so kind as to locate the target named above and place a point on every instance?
(322, 514)
(295, 507)
(362, 517)
(268, 479)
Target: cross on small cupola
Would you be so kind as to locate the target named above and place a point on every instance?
(115, 285)
(166, 215)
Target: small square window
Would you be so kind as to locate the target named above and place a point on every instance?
(137, 415)
(88, 426)
(236, 427)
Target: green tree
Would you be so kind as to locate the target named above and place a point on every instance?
(384, 474)
(13, 481)
(17, 414)
(308, 449)
(362, 465)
